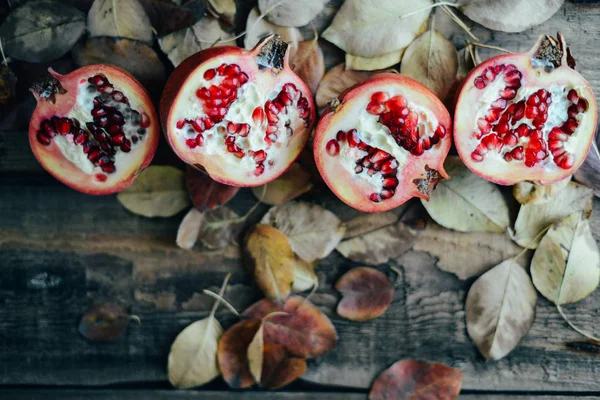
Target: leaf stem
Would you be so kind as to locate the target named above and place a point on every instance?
(487, 46)
(459, 21)
(472, 53)
(429, 7)
(2, 53)
(225, 302)
(221, 292)
(260, 17)
(574, 327)
(398, 273)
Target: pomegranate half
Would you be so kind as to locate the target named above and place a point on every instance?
(93, 129)
(241, 116)
(383, 142)
(526, 117)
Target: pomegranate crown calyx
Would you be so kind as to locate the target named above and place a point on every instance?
(47, 87)
(551, 53)
(272, 53)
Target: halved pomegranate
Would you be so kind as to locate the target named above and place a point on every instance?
(383, 142)
(93, 129)
(241, 116)
(526, 117)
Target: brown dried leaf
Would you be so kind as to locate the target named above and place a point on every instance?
(221, 228)
(433, 61)
(529, 192)
(104, 322)
(273, 261)
(300, 327)
(223, 9)
(8, 85)
(42, 30)
(232, 353)
(258, 29)
(417, 380)
(291, 13)
(167, 17)
(205, 192)
(308, 63)
(373, 63)
(369, 222)
(335, 81)
(366, 294)
(123, 18)
(293, 183)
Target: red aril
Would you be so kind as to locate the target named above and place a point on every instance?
(93, 129)
(241, 116)
(526, 117)
(383, 142)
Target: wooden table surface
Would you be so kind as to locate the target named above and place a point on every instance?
(62, 251)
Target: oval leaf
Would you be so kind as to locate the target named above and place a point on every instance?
(188, 231)
(500, 309)
(312, 231)
(566, 265)
(205, 192)
(221, 228)
(40, 31)
(510, 15)
(433, 61)
(370, 28)
(529, 192)
(104, 323)
(417, 380)
(308, 63)
(123, 18)
(335, 81)
(374, 63)
(293, 183)
(466, 202)
(158, 191)
(291, 13)
(232, 353)
(257, 29)
(366, 294)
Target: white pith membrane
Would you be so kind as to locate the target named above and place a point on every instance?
(258, 161)
(474, 103)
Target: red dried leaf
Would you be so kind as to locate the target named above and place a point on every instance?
(233, 356)
(104, 323)
(417, 380)
(206, 193)
(304, 331)
(366, 292)
(279, 369)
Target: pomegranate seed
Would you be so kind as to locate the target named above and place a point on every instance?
(375, 108)
(353, 139)
(440, 131)
(490, 142)
(533, 100)
(510, 139)
(118, 96)
(180, 124)
(258, 116)
(517, 153)
(499, 104)
(396, 103)
(145, 120)
(244, 130)
(573, 111)
(379, 97)
(531, 112)
(198, 125)
(118, 138)
(260, 168)
(97, 80)
(570, 125)
(479, 83)
(98, 112)
(508, 93)
(232, 127)
(221, 69)
(117, 118)
(476, 156)
(582, 105)
(387, 194)
(108, 168)
(106, 89)
(522, 130)
(573, 96)
(243, 78)
(489, 74)
(203, 93)
(508, 156)
(260, 156)
(483, 126)
(199, 140)
(126, 146)
(333, 148)
(375, 197)
(43, 138)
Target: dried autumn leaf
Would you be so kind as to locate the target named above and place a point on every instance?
(433, 61)
(137, 58)
(255, 354)
(589, 172)
(308, 63)
(188, 231)
(158, 191)
(293, 183)
(223, 9)
(232, 353)
(40, 31)
(313, 232)
(500, 309)
(369, 222)
(291, 13)
(273, 261)
(566, 265)
(304, 277)
(534, 217)
(167, 17)
(373, 63)
(104, 322)
(510, 15)
(8, 85)
(183, 43)
(417, 380)
(466, 202)
(124, 19)
(370, 28)
(529, 192)
(465, 254)
(205, 192)
(366, 294)
(257, 29)
(300, 327)
(335, 81)
(220, 228)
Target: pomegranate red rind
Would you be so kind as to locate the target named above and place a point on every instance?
(383, 143)
(525, 117)
(92, 145)
(242, 116)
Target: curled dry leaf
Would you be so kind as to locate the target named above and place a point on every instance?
(373, 63)
(300, 327)
(8, 85)
(232, 353)
(158, 191)
(500, 309)
(293, 183)
(308, 63)
(123, 18)
(183, 43)
(366, 294)
(257, 29)
(223, 9)
(312, 231)
(137, 58)
(433, 61)
(188, 231)
(205, 192)
(291, 13)
(380, 245)
(529, 192)
(417, 380)
(510, 15)
(273, 261)
(566, 264)
(104, 322)
(466, 202)
(40, 31)
(589, 172)
(335, 81)
(465, 254)
(534, 217)
(370, 28)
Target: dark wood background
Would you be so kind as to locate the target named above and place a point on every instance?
(62, 252)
